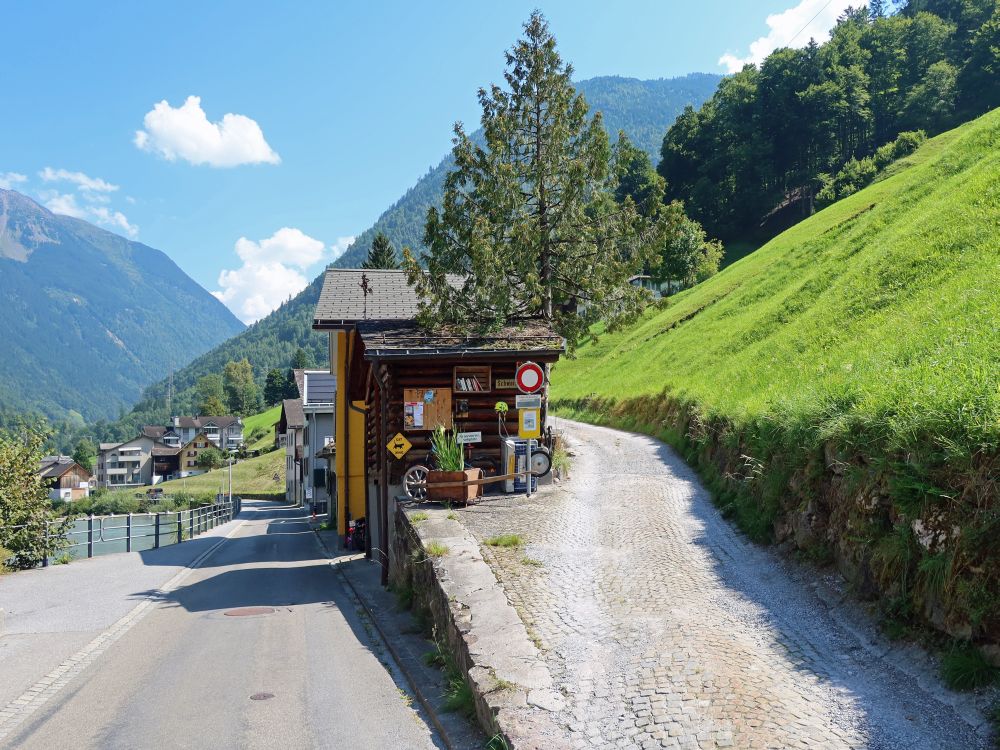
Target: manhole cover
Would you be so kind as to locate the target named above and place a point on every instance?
(261, 696)
(249, 611)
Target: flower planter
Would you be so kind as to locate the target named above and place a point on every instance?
(456, 493)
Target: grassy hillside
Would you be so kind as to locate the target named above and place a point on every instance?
(265, 420)
(251, 478)
(840, 387)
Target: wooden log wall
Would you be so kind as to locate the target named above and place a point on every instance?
(481, 417)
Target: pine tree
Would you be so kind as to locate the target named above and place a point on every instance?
(274, 387)
(84, 453)
(301, 359)
(381, 254)
(530, 219)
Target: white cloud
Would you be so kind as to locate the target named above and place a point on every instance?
(9, 179)
(186, 133)
(340, 246)
(62, 203)
(270, 274)
(82, 181)
(114, 219)
(810, 19)
(67, 205)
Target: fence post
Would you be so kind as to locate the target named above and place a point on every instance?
(190, 524)
(45, 549)
(180, 528)
(128, 533)
(90, 535)
(156, 532)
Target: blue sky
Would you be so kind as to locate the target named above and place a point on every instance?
(337, 108)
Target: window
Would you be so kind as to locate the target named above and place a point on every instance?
(190, 463)
(199, 444)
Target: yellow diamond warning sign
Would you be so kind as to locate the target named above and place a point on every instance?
(399, 445)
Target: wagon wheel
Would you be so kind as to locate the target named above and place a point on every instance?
(415, 483)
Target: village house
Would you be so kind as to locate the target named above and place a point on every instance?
(189, 454)
(128, 464)
(396, 379)
(288, 436)
(225, 433)
(66, 479)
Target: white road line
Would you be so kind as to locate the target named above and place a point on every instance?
(46, 688)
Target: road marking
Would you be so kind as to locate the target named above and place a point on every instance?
(19, 709)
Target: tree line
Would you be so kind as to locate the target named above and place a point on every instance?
(807, 126)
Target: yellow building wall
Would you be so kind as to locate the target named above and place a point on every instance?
(350, 480)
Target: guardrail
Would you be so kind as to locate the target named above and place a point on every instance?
(137, 532)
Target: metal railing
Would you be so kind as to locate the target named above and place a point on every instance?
(90, 536)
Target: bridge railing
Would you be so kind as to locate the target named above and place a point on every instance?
(90, 536)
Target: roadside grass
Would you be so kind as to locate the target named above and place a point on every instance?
(964, 667)
(531, 562)
(419, 517)
(505, 540)
(265, 421)
(860, 343)
(436, 549)
(458, 696)
(251, 477)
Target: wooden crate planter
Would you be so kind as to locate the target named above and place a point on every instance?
(453, 492)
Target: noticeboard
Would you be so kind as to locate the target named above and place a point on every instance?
(426, 409)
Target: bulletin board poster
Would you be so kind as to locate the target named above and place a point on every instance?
(427, 408)
(413, 415)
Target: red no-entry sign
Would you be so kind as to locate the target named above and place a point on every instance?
(529, 378)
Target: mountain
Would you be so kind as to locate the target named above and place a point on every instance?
(840, 387)
(90, 318)
(643, 109)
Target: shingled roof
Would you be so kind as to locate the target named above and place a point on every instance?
(389, 297)
(405, 338)
(292, 413)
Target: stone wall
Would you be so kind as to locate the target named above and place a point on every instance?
(472, 618)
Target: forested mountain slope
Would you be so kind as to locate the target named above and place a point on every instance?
(643, 109)
(840, 387)
(780, 139)
(90, 318)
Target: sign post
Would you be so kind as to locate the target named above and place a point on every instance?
(530, 377)
(399, 445)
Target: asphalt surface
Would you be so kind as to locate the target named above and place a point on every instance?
(180, 672)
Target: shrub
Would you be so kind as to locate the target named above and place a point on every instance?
(25, 508)
(965, 668)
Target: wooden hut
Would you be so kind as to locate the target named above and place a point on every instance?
(395, 378)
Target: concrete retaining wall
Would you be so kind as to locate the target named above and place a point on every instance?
(471, 616)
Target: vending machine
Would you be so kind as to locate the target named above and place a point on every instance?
(514, 455)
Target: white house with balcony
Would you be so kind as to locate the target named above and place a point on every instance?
(128, 464)
(225, 433)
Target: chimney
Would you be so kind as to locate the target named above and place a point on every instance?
(176, 421)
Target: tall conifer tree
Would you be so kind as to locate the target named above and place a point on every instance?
(529, 218)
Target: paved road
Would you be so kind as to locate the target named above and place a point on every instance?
(178, 671)
(665, 628)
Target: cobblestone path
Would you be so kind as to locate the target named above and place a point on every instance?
(665, 628)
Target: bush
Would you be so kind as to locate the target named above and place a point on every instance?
(965, 668)
(25, 508)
